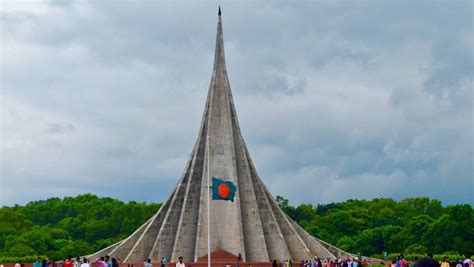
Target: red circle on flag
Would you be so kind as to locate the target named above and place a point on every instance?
(223, 190)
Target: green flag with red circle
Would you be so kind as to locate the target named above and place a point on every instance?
(223, 190)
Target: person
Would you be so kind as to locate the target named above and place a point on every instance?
(101, 262)
(148, 263)
(415, 262)
(403, 262)
(398, 262)
(114, 262)
(163, 262)
(108, 261)
(180, 262)
(68, 262)
(274, 263)
(37, 263)
(17, 265)
(365, 263)
(239, 260)
(227, 265)
(85, 263)
(77, 262)
(428, 262)
(467, 262)
(349, 261)
(45, 263)
(445, 262)
(459, 263)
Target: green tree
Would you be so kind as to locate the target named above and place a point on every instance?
(416, 249)
(80, 225)
(346, 243)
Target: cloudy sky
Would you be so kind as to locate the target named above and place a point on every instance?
(336, 99)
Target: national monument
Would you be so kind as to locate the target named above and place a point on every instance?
(253, 225)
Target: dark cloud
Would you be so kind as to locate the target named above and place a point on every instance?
(336, 100)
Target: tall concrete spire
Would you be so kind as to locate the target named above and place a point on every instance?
(253, 225)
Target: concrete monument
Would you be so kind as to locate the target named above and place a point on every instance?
(252, 225)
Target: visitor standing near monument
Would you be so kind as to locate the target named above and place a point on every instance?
(445, 262)
(163, 262)
(403, 262)
(180, 262)
(428, 262)
(108, 261)
(85, 263)
(77, 262)
(148, 263)
(68, 262)
(346, 262)
(114, 262)
(101, 262)
(37, 263)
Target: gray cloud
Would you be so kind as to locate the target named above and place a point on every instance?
(336, 100)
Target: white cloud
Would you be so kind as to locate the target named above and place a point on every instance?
(351, 100)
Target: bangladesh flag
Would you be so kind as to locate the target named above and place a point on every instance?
(223, 190)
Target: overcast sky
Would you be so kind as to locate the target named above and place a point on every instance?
(336, 99)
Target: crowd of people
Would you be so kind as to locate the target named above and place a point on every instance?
(428, 261)
(105, 261)
(318, 262)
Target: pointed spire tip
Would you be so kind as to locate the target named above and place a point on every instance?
(219, 13)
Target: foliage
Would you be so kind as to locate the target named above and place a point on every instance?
(84, 224)
(73, 225)
(4, 259)
(371, 227)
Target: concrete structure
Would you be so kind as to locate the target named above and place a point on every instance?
(253, 225)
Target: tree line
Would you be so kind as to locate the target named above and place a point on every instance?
(84, 224)
(78, 225)
(371, 227)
